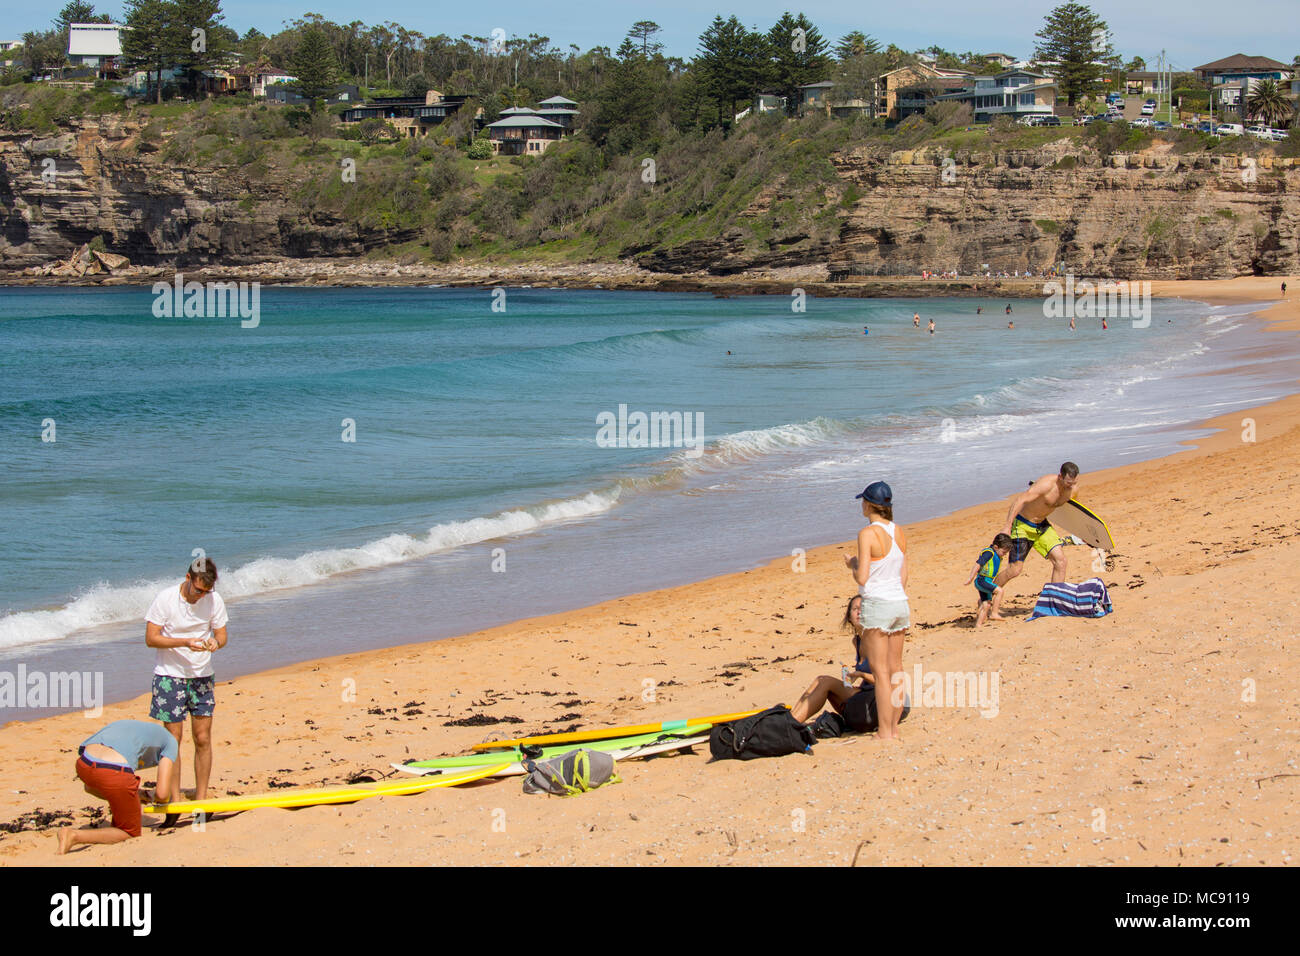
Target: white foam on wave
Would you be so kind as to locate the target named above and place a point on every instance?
(107, 604)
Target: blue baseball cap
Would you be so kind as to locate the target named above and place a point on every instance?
(878, 493)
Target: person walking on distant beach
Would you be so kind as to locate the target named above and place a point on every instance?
(186, 624)
(107, 762)
(1071, 323)
(1029, 529)
(880, 570)
(932, 326)
(1104, 326)
(1284, 288)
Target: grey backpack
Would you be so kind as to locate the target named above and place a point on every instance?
(575, 772)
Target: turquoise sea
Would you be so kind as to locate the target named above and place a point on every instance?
(475, 490)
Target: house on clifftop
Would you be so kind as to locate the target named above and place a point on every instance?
(522, 131)
(411, 115)
(95, 45)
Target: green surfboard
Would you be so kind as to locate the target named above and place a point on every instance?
(516, 754)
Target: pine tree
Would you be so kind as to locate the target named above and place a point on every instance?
(1076, 43)
(643, 32)
(315, 66)
(732, 62)
(798, 57)
(145, 41)
(195, 40)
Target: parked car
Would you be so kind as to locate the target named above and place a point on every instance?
(1229, 129)
(1277, 135)
(1259, 132)
(1205, 126)
(1054, 121)
(1161, 125)
(1143, 122)
(1148, 108)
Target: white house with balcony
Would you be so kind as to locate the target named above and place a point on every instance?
(95, 45)
(1014, 93)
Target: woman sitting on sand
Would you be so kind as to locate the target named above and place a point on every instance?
(855, 703)
(832, 690)
(880, 570)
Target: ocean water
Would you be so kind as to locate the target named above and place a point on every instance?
(476, 487)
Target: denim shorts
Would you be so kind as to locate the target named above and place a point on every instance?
(887, 616)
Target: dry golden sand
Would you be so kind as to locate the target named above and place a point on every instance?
(1131, 740)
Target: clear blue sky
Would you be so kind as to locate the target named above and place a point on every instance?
(1193, 31)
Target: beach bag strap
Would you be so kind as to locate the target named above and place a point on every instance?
(569, 774)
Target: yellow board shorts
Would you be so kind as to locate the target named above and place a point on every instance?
(1025, 535)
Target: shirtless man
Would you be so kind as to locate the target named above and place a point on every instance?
(1028, 526)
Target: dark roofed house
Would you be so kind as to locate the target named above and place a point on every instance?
(287, 93)
(921, 95)
(1239, 66)
(1232, 78)
(522, 131)
(411, 115)
(523, 135)
(814, 94)
(558, 115)
(1141, 81)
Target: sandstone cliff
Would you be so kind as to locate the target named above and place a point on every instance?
(1158, 214)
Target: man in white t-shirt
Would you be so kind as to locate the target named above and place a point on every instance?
(186, 623)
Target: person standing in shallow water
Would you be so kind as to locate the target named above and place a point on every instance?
(932, 326)
(880, 570)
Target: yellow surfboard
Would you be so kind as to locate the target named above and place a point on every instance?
(1084, 523)
(578, 736)
(319, 796)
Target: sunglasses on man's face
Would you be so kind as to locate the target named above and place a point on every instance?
(201, 591)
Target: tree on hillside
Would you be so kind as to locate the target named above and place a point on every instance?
(44, 50)
(643, 32)
(798, 57)
(631, 103)
(196, 38)
(315, 67)
(1267, 102)
(147, 40)
(731, 63)
(1075, 46)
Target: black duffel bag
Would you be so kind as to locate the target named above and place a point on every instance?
(773, 733)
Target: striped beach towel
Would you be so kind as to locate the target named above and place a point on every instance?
(1086, 599)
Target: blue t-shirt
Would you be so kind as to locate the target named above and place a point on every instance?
(139, 741)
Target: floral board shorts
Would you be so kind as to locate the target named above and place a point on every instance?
(174, 697)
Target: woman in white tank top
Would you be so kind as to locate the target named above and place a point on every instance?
(880, 570)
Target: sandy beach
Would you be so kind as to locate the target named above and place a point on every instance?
(1166, 733)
